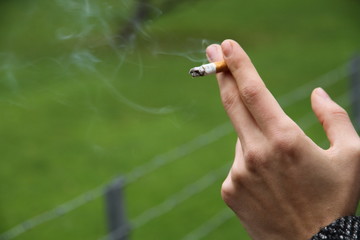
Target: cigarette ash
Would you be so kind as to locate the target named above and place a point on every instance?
(197, 72)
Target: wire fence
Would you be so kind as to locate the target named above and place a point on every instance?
(159, 161)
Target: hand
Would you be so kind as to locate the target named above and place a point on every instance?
(281, 184)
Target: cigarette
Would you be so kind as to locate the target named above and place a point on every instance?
(210, 68)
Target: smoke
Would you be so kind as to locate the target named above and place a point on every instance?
(86, 41)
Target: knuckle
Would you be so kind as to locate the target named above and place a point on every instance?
(254, 159)
(227, 191)
(250, 94)
(236, 175)
(285, 141)
(340, 113)
(229, 99)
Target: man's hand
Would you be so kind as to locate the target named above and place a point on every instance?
(282, 185)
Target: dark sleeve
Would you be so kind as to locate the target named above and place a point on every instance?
(346, 228)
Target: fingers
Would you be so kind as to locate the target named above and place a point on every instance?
(253, 92)
(242, 120)
(335, 120)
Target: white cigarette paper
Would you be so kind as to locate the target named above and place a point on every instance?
(210, 68)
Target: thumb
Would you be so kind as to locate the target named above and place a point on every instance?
(333, 118)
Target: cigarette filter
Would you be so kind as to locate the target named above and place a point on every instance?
(210, 68)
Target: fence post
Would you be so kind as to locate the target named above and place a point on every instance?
(355, 88)
(118, 225)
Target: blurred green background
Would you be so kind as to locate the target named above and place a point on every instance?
(95, 89)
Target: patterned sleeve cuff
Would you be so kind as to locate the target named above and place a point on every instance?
(346, 228)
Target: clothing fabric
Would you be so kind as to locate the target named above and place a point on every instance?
(346, 228)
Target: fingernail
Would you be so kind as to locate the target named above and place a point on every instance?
(211, 52)
(227, 48)
(321, 92)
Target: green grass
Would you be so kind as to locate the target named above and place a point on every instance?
(68, 116)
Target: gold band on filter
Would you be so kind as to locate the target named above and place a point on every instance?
(221, 67)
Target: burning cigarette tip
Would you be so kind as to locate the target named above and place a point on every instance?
(210, 68)
(197, 71)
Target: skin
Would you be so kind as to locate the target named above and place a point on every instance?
(281, 184)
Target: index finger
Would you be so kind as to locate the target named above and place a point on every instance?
(244, 124)
(259, 101)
